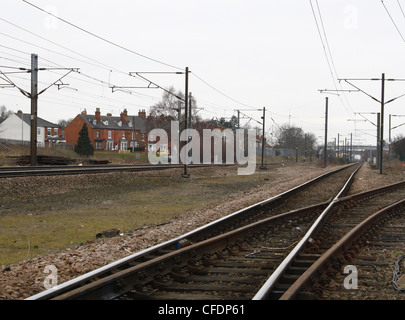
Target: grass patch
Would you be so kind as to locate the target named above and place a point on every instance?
(44, 224)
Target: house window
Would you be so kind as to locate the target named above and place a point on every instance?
(38, 131)
(99, 145)
(143, 137)
(98, 134)
(49, 131)
(110, 145)
(123, 135)
(109, 134)
(55, 131)
(124, 145)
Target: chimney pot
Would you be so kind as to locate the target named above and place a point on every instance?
(142, 114)
(98, 115)
(123, 116)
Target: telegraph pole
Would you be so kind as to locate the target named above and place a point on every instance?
(185, 174)
(34, 109)
(389, 141)
(382, 123)
(189, 109)
(326, 132)
(133, 134)
(338, 145)
(378, 151)
(263, 139)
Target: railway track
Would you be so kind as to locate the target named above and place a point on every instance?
(290, 200)
(12, 172)
(47, 170)
(335, 222)
(367, 238)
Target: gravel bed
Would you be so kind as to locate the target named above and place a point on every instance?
(26, 278)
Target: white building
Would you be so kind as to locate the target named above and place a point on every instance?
(16, 129)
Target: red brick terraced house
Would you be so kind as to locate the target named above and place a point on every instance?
(109, 133)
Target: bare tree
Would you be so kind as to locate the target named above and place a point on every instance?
(4, 114)
(398, 146)
(165, 111)
(290, 137)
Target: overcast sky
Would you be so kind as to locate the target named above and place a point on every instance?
(242, 55)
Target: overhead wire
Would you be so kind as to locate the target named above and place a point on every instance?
(331, 56)
(403, 13)
(102, 38)
(220, 92)
(392, 19)
(124, 48)
(104, 66)
(58, 45)
(326, 47)
(100, 64)
(52, 51)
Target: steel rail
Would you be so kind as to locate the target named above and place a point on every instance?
(68, 285)
(42, 167)
(339, 248)
(266, 289)
(111, 287)
(57, 166)
(89, 170)
(116, 284)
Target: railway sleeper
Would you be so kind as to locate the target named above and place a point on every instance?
(243, 279)
(191, 296)
(161, 281)
(296, 270)
(204, 287)
(289, 278)
(194, 268)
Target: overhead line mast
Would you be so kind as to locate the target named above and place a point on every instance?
(382, 103)
(33, 95)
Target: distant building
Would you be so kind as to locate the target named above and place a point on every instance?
(16, 129)
(109, 133)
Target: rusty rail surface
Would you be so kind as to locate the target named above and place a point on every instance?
(268, 289)
(311, 249)
(342, 247)
(12, 172)
(184, 263)
(253, 212)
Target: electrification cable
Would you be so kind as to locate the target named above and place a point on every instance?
(63, 47)
(117, 45)
(324, 49)
(228, 97)
(330, 55)
(58, 53)
(396, 27)
(100, 62)
(101, 38)
(403, 13)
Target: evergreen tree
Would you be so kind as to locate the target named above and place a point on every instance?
(84, 146)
